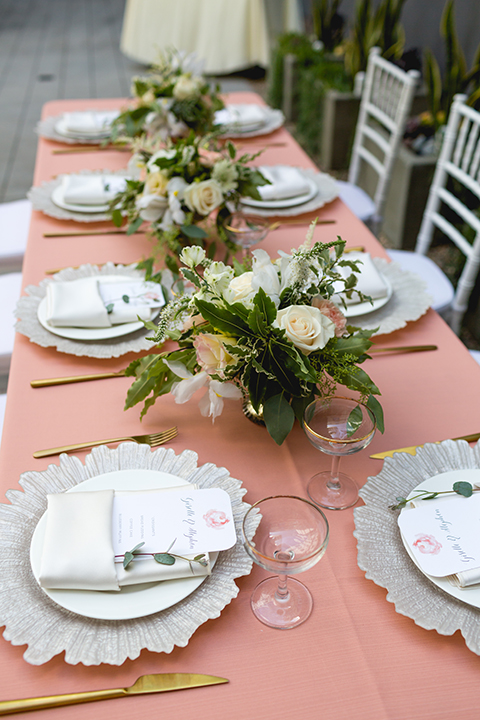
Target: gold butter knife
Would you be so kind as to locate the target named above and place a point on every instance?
(47, 382)
(161, 682)
(413, 448)
(90, 149)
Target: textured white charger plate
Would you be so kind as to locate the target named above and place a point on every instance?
(41, 197)
(381, 553)
(327, 190)
(444, 481)
(47, 129)
(28, 323)
(76, 333)
(409, 300)
(132, 601)
(31, 618)
(274, 119)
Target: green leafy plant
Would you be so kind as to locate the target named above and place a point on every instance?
(327, 23)
(380, 28)
(457, 78)
(306, 54)
(236, 337)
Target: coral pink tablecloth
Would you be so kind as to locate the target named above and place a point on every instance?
(355, 657)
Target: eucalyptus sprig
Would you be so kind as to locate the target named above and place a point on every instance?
(166, 558)
(459, 488)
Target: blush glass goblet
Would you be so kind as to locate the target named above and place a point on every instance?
(285, 535)
(337, 426)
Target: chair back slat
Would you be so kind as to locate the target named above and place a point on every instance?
(456, 189)
(386, 101)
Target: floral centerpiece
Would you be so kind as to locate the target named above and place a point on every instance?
(180, 185)
(270, 334)
(172, 100)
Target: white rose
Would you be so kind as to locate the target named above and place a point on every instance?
(192, 256)
(186, 87)
(156, 183)
(306, 327)
(203, 197)
(240, 289)
(151, 207)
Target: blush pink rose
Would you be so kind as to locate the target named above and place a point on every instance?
(212, 352)
(427, 544)
(333, 313)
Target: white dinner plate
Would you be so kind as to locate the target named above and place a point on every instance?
(444, 481)
(366, 307)
(132, 601)
(285, 202)
(106, 333)
(61, 129)
(57, 198)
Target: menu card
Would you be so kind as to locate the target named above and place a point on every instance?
(443, 534)
(185, 520)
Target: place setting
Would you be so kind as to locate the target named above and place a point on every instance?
(422, 510)
(167, 545)
(395, 296)
(91, 311)
(247, 120)
(88, 127)
(291, 191)
(83, 197)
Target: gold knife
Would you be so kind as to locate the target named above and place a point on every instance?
(47, 382)
(161, 682)
(79, 233)
(401, 349)
(413, 448)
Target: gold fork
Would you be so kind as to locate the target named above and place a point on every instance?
(154, 440)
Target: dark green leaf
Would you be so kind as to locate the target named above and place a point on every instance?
(354, 420)
(222, 320)
(164, 559)
(117, 217)
(377, 411)
(279, 417)
(193, 231)
(133, 227)
(125, 299)
(463, 488)
(109, 308)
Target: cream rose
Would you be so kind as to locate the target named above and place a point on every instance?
(212, 353)
(156, 183)
(203, 197)
(186, 87)
(240, 288)
(306, 327)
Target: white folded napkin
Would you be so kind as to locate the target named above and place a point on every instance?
(91, 303)
(78, 550)
(89, 122)
(91, 189)
(241, 117)
(287, 182)
(369, 281)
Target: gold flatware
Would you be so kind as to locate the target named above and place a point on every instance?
(154, 440)
(413, 448)
(47, 382)
(354, 248)
(402, 349)
(94, 148)
(146, 684)
(263, 147)
(78, 233)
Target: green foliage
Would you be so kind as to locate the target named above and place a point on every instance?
(457, 78)
(327, 23)
(374, 28)
(288, 44)
(460, 488)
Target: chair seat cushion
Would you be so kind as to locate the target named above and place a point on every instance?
(357, 200)
(439, 286)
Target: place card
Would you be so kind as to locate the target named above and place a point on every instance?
(195, 521)
(443, 534)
